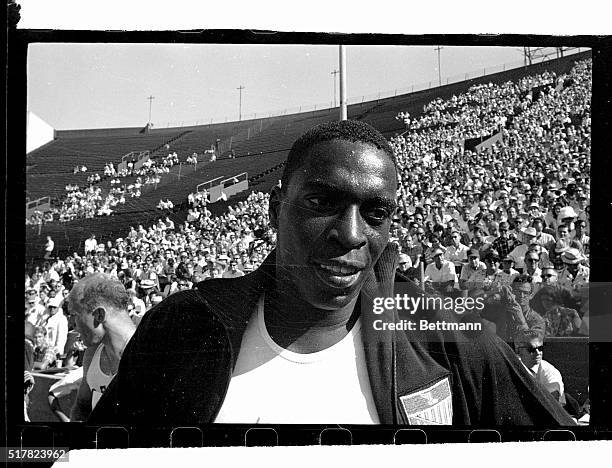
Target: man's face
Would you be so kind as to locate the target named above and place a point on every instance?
(333, 220)
(90, 332)
(473, 260)
(531, 353)
(39, 339)
(531, 262)
(549, 276)
(563, 232)
(404, 266)
(572, 267)
(522, 291)
(538, 226)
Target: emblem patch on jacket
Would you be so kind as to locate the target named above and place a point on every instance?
(432, 405)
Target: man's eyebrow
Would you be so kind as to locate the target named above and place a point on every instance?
(330, 188)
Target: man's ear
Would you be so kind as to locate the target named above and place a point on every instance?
(99, 316)
(274, 206)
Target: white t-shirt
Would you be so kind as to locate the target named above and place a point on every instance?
(550, 377)
(57, 331)
(441, 275)
(273, 385)
(97, 380)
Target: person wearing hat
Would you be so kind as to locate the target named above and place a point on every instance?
(472, 272)
(56, 325)
(566, 216)
(99, 305)
(35, 312)
(508, 273)
(313, 297)
(440, 273)
(456, 252)
(574, 276)
(518, 253)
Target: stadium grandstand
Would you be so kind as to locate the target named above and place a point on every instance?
(494, 171)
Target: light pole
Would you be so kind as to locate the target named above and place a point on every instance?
(240, 88)
(150, 98)
(343, 98)
(334, 73)
(439, 48)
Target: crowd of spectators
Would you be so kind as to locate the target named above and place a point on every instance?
(193, 159)
(38, 217)
(204, 247)
(196, 199)
(508, 223)
(165, 205)
(171, 160)
(109, 169)
(511, 215)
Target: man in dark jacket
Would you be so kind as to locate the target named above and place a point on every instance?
(304, 340)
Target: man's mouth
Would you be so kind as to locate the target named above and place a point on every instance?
(338, 274)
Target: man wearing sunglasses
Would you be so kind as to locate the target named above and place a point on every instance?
(529, 345)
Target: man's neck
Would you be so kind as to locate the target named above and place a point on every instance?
(117, 337)
(298, 326)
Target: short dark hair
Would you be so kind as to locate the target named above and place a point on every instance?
(348, 130)
(525, 336)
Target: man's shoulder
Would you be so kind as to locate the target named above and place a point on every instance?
(549, 369)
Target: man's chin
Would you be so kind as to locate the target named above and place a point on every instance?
(332, 299)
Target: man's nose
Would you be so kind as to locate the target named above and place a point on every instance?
(348, 228)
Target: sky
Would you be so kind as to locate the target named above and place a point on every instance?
(99, 85)
(74, 86)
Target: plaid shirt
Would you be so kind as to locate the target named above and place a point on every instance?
(503, 246)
